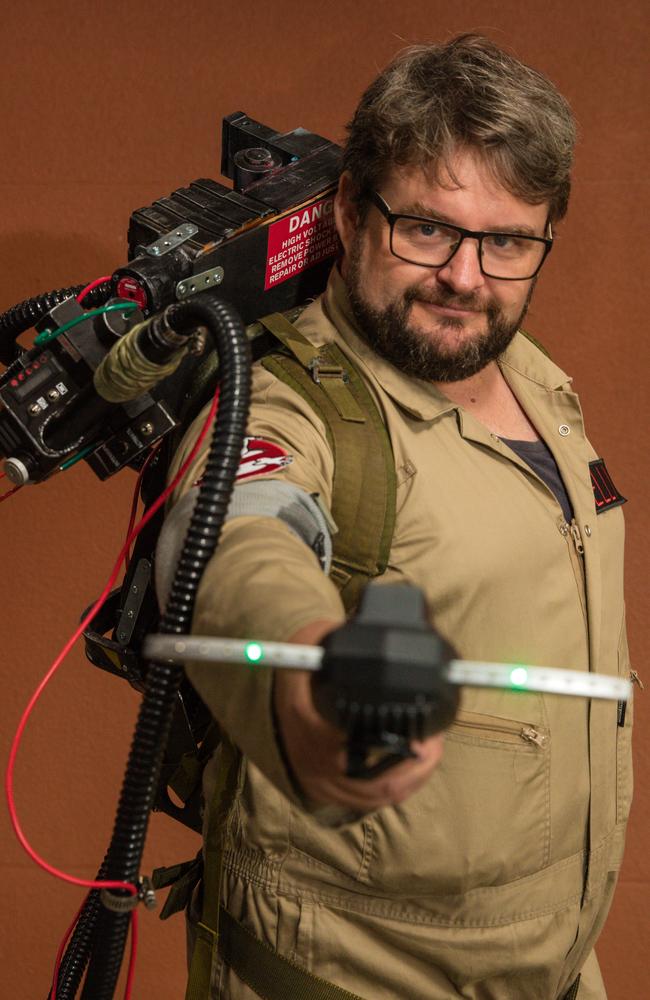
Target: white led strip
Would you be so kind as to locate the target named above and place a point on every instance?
(552, 680)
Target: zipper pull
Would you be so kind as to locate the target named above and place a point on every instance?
(577, 538)
(634, 677)
(531, 735)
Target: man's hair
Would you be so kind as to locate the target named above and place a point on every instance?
(433, 100)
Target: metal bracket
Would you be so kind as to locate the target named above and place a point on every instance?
(133, 602)
(321, 368)
(172, 239)
(199, 282)
(125, 904)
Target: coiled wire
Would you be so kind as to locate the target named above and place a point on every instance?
(25, 315)
(106, 938)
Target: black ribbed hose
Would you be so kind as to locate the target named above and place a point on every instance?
(163, 679)
(74, 962)
(25, 315)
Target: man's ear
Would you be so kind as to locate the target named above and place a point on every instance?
(346, 211)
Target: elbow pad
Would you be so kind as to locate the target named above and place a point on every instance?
(302, 512)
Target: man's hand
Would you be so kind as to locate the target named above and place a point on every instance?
(316, 750)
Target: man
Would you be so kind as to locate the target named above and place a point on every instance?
(484, 870)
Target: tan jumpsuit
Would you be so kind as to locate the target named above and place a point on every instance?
(494, 880)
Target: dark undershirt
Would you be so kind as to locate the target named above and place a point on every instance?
(540, 458)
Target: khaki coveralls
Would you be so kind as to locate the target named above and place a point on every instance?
(494, 880)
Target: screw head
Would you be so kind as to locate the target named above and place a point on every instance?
(146, 429)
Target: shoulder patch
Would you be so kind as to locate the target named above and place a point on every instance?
(259, 456)
(605, 493)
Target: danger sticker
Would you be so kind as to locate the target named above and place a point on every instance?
(299, 241)
(259, 456)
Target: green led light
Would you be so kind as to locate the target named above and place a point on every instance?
(519, 677)
(253, 652)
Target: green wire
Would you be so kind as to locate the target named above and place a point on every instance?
(77, 458)
(47, 335)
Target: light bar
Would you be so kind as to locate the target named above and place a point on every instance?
(475, 673)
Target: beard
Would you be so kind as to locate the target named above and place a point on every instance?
(422, 354)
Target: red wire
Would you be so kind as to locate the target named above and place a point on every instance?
(9, 493)
(62, 947)
(93, 284)
(9, 775)
(68, 935)
(134, 947)
(136, 497)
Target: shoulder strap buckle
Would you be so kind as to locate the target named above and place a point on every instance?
(321, 367)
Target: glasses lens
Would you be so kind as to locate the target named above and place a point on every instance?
(423, 241)
(508, 256)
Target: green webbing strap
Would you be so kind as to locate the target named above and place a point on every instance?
(186, 779)
(207, 930)
(183, 879)
(270, 975)
(326, 364)
(364, 485)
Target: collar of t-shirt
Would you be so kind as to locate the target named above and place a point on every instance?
(539, 457)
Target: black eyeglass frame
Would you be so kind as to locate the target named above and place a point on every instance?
(392, 217)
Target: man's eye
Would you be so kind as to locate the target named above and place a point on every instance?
(502, 241)
(428, 229)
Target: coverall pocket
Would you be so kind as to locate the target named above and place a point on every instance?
(483, 819)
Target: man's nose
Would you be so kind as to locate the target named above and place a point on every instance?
(463, 271)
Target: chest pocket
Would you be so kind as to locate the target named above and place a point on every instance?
(484, 816)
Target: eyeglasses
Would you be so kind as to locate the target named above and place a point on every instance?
(429, 243)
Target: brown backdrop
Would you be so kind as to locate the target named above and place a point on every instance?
(108, 106)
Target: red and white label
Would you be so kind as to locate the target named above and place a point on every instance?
(299, 241)
(259, 456)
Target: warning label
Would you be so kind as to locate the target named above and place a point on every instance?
(299, 241)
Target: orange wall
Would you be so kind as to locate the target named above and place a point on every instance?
(108, 106)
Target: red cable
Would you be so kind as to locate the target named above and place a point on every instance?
(9, 493)
(63, 946)
(136, 496)
(68, 935)
(9, 775)
(134, 947)
(93, 284)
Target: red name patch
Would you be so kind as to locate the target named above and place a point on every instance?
(605, 493)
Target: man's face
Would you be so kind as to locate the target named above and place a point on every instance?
(438, 323)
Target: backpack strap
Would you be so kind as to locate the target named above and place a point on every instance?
(205, 949)
(364, 484)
